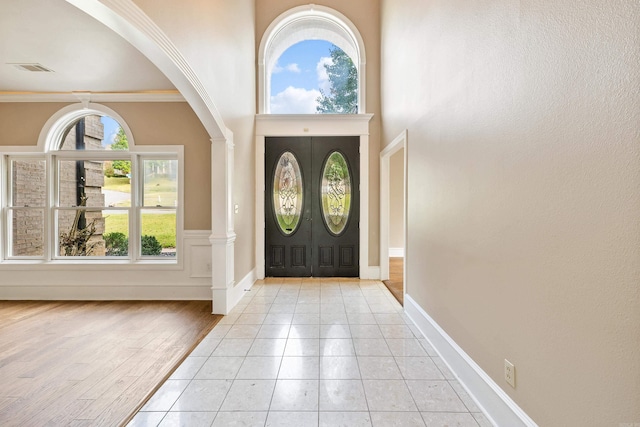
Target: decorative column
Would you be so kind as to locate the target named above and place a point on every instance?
(223, 236)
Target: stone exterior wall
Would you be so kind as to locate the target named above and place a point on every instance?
(29, 190)
(29, 179)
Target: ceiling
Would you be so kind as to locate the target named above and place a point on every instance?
(84, 54)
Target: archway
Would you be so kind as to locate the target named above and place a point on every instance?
(126, 19)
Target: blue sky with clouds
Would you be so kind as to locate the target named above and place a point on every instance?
(298, 76)
(295, 82)
(110, 130)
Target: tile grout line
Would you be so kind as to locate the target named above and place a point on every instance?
(318, 288)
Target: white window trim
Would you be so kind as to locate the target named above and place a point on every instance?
(7, 195)
(46, 149)
(282, 34)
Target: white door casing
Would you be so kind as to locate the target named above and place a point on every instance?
(396, 145)
(314, 125)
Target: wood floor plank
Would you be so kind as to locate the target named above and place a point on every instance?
(5, 401)
(106, 399)
(395, 284)
(69, 411)
(90, 362)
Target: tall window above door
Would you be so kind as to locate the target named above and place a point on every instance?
(314, 76)
(312, 60)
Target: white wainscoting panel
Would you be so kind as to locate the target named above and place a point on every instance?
(189, 279)
(199, 254)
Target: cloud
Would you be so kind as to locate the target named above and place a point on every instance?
(323, 77)
(110, 139)
(293, 68)
(294, 100)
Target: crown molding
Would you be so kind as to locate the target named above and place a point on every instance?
(146, 96)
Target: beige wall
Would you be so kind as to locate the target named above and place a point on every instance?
(365, 15)
(21, 123)
(396, 200)
(524, 243)
(151, 124)
(217, 39)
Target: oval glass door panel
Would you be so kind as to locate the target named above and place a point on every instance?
(336, 192)
(287, 192)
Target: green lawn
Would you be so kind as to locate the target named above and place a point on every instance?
(162, 226)
(161, 184)
(117, 184)
(159, 191)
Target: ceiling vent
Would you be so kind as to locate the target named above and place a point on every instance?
(37, 68)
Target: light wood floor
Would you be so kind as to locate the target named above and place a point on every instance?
(91, 363)
(396, 279)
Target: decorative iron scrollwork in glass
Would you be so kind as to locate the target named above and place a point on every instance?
(287, 192)
(336, 192)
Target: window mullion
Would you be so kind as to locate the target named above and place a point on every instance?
(134, 215)
(52, 180)
(26, 210)
(4, 192)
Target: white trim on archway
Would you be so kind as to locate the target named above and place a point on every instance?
(309, 22)
(125, 18)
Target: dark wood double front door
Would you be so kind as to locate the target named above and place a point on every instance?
(312, 203)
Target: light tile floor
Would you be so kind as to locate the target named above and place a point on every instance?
(311, 352)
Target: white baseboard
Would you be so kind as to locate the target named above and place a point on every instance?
(372, 273)
(396, 252)
(495, 403)
(242, 287)
(106, 292)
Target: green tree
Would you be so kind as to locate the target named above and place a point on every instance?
(343, 92)
(121, 143)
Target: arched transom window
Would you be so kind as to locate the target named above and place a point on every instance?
(310, 42)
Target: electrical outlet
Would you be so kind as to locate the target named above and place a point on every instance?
(510, 373)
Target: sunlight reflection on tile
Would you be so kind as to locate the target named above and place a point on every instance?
(313, 352)
(187, 419)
